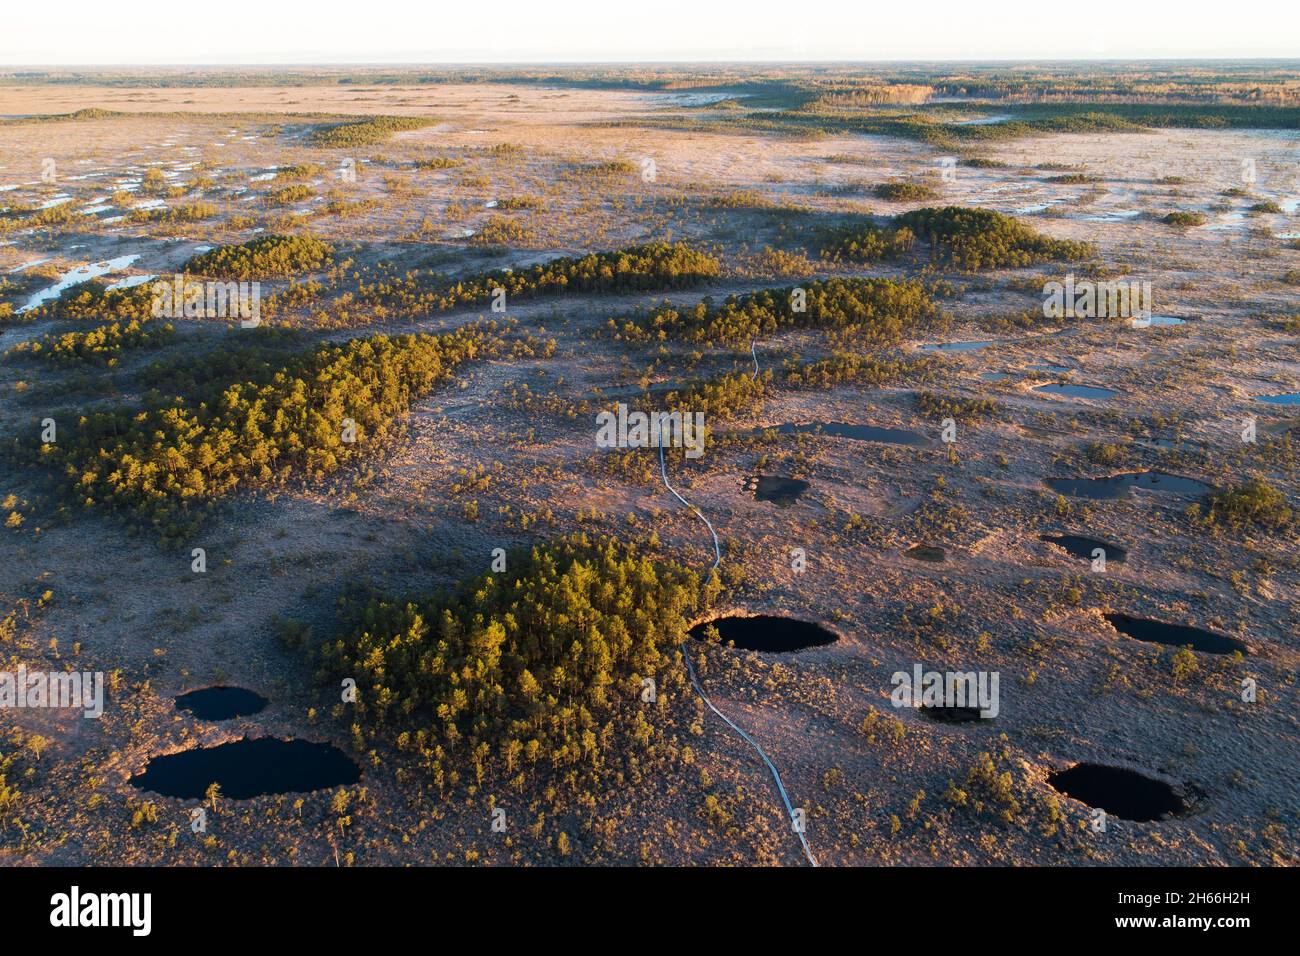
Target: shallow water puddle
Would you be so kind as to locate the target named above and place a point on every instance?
(1231, 220)
(983, 120)
(1122, 215)
(129, 282)
(766, 632)
(248, 768)
(28, 265)
(77, 275)
(1157, 321)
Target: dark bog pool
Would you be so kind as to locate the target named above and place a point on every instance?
(1076, 391)
(765, 632)
(1123, 793)
(925, 552)
(954, 714)
(891, 436)
(221, 703)
(1118, 486)
(1082, 547)
(248, 768)
(1176, 635)
(780, 491)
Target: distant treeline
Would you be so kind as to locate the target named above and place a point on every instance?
(934, 124)
(1244, 80)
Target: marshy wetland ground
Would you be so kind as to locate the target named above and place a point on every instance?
(376, 524)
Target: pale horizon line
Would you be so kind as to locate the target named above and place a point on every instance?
(1136, 60)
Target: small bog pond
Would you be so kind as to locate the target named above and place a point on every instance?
(891, 436)
(1075, 391)
(1289, 398)
(766, 632)
(926, 552)
(248, 768)
(782, 492)
(221, 703)
(1175, 635)
(1118, 486)
(1123, 793)
(953, 714)
(1083, 547)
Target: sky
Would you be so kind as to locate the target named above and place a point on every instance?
(246, 32)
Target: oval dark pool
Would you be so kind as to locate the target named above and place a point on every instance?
(1083, 547)
(221, 703)
(1119, 791)
(781, 492)
(1076, 391)
(1175, 635)
(1119, 486)
(248, 768)
(767, 632)
(953, 714)
(926, 552)
(888, 436)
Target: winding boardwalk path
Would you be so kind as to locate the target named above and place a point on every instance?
(690, 667)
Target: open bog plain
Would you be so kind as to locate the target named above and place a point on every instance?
(306, 399)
